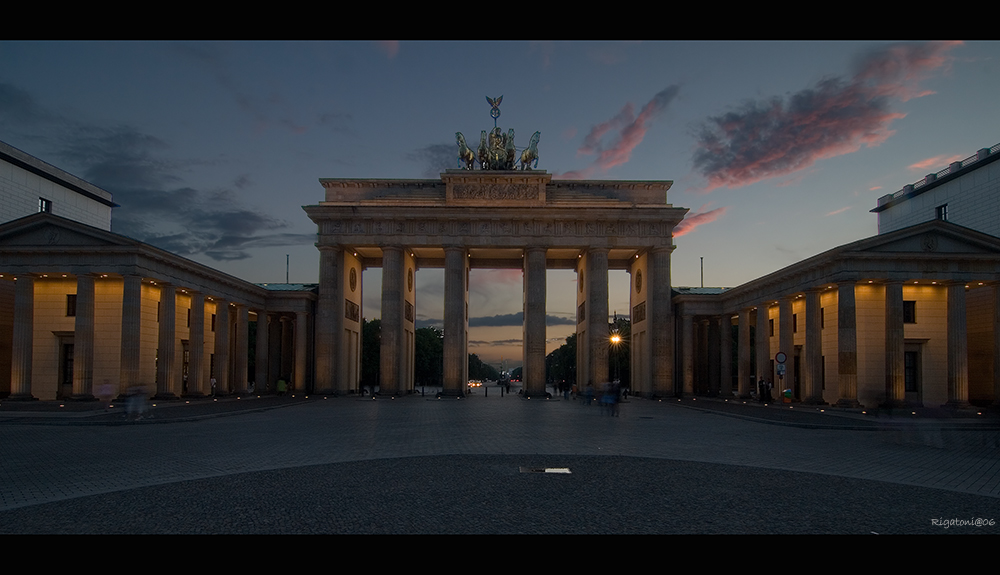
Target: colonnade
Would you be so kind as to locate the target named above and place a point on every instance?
(126, 330)
(886, 342)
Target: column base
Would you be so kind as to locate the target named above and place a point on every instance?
(165, 395)
(959, 406)
(82, 397)
(814, 401)
(20, 397)
(848, 403)
(194, 395)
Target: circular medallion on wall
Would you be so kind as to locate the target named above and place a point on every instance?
(638, 281)
(354, 279)
(409, 279)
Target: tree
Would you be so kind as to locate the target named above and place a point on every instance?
(429, 356)
(371, 352)
(480, 370)
(560, 365)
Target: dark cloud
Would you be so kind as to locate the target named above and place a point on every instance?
(629, 131)
(138, 170)
(515, 319)
(777, 136)
(435, 158)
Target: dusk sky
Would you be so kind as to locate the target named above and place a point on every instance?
(779, 149)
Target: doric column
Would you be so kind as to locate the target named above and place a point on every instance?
(712, 356)
(660, 314)
(260, 354)
(996, 344)
(330, 321)
(786, 343)
(597, 315)
(167, 343)
(895, 381)
(813, 392)
(83, 339)
(221, 346)
(287, 351)
(763, 348)
(726, 356)
(131, 333)
(744, 369)
(196, 346)
(958, 354)
(392, 319)
(301, 350)
(24, 335)
(456, 294)
(687, 353)
(534, 320)
(242, 349)
(847, 346)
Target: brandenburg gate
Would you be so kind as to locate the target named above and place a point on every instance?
(516, 219)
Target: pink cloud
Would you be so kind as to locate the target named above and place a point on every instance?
(626, 131)
(390, 47)
(694, 219)
(934, 161)
(840, 211)
(765, 139)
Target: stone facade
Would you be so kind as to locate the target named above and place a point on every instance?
(494, 219)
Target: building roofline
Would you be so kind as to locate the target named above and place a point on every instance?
(45, 170)
(981, 158)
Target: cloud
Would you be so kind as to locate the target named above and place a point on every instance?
(143, 177)
(934, 161)
(627, 131)
(515, 319)
(773, 137)
(436, 158)
(694, 219)
(835, 212)
(390, 47)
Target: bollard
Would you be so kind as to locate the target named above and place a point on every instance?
(487, 392)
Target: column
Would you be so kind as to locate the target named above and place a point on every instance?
(330, 320)
(597, 315)
(894, 345)
(847, 346)
(196, 346)
(221, 346)
(534, 321)
(286, 349)
(131, 333)
(744, 369)
(261, 354)
(166, 370)
(392, 320)
(301, 350)
(763, 349)
(242, 349)
(786, 343)
(456, 296)
(726, 356)
(958, 355)
(83, 339)
(687, 353)
(660, 314)
(813, 392)
(24, 335)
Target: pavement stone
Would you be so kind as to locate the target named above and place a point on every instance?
(423, 465)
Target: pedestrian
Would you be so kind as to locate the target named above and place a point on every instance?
(213, 385)
(761, 390)
(282, 386)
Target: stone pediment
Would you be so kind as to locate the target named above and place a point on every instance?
(45, 231)
(931, 238)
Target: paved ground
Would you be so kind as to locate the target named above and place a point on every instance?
(420, 465)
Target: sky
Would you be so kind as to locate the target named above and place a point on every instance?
(778, 149)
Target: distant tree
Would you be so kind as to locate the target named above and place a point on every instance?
(480, 370)
(371, 351)
(560, 365)
(429, 356)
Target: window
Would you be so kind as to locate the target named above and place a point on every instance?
(770, 325)
(213, 322)
(822, 318)
(44, 205)
(909, 312)
(941, 212)
(795, 323)
(71, 305)
(189, 318)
